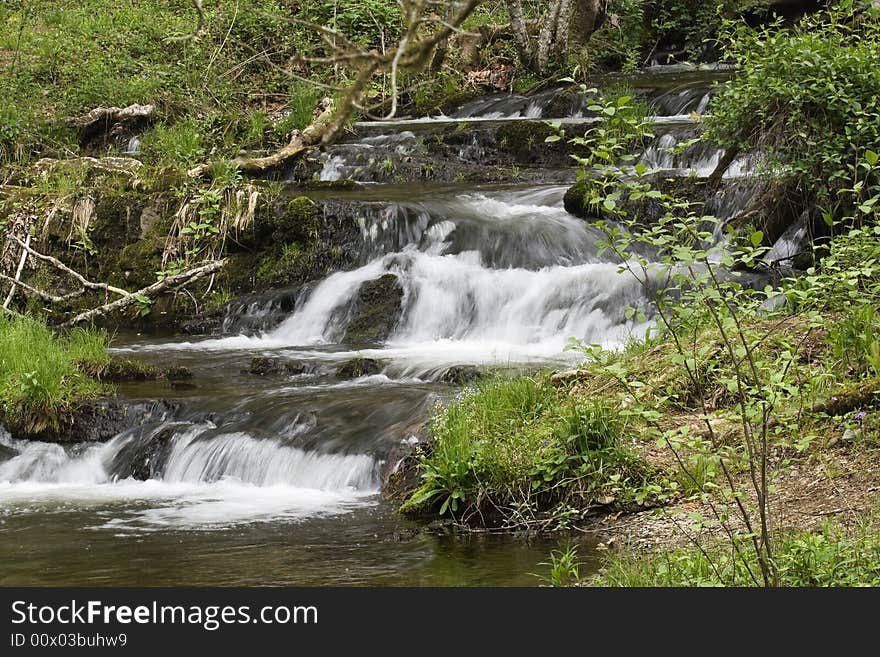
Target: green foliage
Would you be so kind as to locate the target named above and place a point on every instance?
(176, 145)
(40, 374)
(370, 23)
(564, 568)
(301, 106)
(827, 558)
(520, 448)
(638, 32)
(62, 58)
(855, 340)
(807, 96)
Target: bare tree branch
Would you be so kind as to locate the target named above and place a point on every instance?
(130, 298)
(19, 269)
(67, 270)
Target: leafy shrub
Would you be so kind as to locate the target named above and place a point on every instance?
(368, 22)
(807, 97)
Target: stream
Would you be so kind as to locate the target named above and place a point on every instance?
(274, 480)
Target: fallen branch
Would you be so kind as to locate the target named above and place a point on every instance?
(102, 118)
(67, 270)
(299, 142)
(845, 400)
(130, 298)
(40, 293)
(19, 269)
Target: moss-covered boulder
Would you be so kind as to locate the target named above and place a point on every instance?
(358, 367)
(645, 210)
(376, 311)
(265, 366)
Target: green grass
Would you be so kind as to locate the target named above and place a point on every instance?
(41, 373)
(514, 450)
(830, 557)
(62, 58)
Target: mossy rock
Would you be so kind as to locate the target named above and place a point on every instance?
(524, 139)
(376, 311)
(139, 262)
(358, 367)
(462, 374)
(279, 268)
(265, 366)
(300, 222)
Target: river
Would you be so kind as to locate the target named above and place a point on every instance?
(274, 480)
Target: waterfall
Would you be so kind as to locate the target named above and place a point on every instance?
(508, 275)
(206, 479)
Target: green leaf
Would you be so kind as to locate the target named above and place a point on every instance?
(756, 238)
(871, 157)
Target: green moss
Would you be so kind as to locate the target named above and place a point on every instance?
(237, 274)
(139, 262)
(299, 222)
(119, 370)
(278, 267)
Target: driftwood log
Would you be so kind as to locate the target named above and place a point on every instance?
(110, 120)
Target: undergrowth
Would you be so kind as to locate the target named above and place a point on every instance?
(42, 373)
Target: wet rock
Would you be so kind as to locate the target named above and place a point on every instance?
(376, 311)
(144, 456)
(99, 421)
(402, 474)
(178, 373)
(263, 366)
(461, 374)
(7, 453)
(358, 367)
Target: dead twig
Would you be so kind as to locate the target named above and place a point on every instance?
(130, 298)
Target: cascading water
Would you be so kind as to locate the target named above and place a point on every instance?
(488, 279)
(203, 481)
(493, 277)
(501, 278)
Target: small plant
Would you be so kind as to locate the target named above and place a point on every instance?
(564, 568)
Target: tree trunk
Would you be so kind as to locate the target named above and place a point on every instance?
(567, 22)
(588, 17)
(442, 47)
(545, 39)
(520, 33)
(563, 27)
